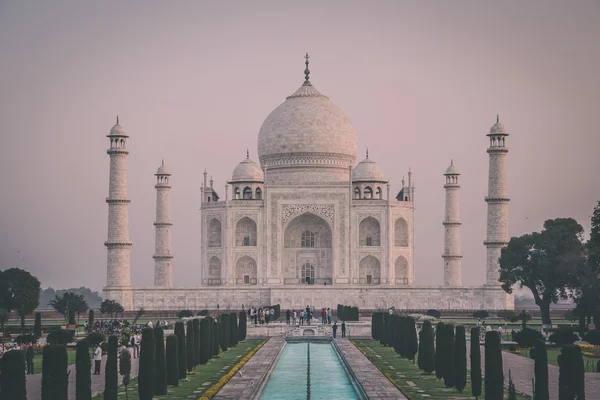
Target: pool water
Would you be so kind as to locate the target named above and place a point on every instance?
(328, 378)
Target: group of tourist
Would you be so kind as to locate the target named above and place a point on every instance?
(28, 350)
(261, 315)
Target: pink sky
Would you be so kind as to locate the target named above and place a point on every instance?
(193, 81)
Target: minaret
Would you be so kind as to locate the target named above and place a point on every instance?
(451, 256)
(162, 254)
(118, 244)
(497, 201)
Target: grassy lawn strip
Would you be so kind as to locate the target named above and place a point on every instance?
(553, 354)
(401, 371)
(202, 377)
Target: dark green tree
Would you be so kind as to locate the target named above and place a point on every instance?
(125, 370)
(494, 377)
(172, 360)
(147, 365)
(412, 343)
(233, 330)
(242, 326)
(83, 371)
(69, 304)
(54, 372)
(185, 314)
(460, 359)
(189, 345)
(12, 379)
(541, 371)
(111, 379)
(20, 292)
(440, 351)
(196, 341)
(37, 325)
(448, 364)
(545, 262)
(160, 377)
(224, 326)
(512, 391)
(204, 341)
(475, 363)
(90, 318)
(426, 348)
(578, 373)
(216, 335)
(181, 352)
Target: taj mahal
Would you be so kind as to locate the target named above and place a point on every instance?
(307, 224)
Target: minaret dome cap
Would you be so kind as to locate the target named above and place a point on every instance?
(452, 170)
(497, 128)
(117, 130)
(162, 170)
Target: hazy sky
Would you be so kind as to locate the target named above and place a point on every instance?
(193, 81)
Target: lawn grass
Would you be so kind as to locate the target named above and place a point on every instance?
(202, 377)
(589, 363)
(401, 371)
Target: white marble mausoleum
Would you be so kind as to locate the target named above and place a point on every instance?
(306, 224)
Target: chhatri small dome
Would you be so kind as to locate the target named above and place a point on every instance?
(247, 171)
(498, 128)
(307, 128)
(162, 170)
(117, 130)
(452, 170)
(367, 171)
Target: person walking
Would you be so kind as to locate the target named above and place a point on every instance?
(97, 359)
(329, 315)
(29, 359)
(334, 329)
(343, 329)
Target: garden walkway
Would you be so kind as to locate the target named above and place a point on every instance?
(374, 383)
(34, 382)
(522, 372)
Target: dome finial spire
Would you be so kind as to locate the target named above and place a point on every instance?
(117, 120)
(306, 71)
(497, 118)
(247, 153)
(367, 153)
(451, 161)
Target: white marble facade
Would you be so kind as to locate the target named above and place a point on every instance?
(307, 225)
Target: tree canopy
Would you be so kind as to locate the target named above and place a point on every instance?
(546, 262)
(111, 307)
(19, 291)
(69, 302)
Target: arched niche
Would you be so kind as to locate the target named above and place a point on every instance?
(246, 271)
(214, 271)
(245, 232)
(401, 270)
(369, 270)
(401, 233)
(369, 232)
(214, 233)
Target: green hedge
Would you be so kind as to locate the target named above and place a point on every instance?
(172, 360)
(426, 358)
(60, 336)
(377, 326)
(111, 380)
(189, 345)
(243, 325)
(12, 379)
(83, 371)
(54, 372)
(347, 313)
(160, 366)
(440, 351)
(233, 330)
(147, 364)
(494, 377)
(460, 359)
(412, 343)
(571, 378)
(475, 363)
(215, 337)
(196, 324)
(181, 353)
(448, 364)
(204, 341)
(224, 326)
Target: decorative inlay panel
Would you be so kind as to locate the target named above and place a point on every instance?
(288, 211)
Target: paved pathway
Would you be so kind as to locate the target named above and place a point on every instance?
(375, 384)
(34, 382)
(248, 380)
(522, 371)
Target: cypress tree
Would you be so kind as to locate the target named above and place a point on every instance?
(426, 348)
(401, 333)
(243, 326)
(439, 349)
(160, 368)
(233, 330)
(181, 355)
(196, 341)
(216, 334)
(172, 360)
(111, 379)
(224, 332)
(90, 319)
(37, 325)
(494, 377)
(512, 391)
(125, 369)
(204, 341)
(578, 373)
(541, 371)
(189, 345)
(12, 379)
(460, 359)
(475, 363)
(412, 341)
(54, 372)
(396, 324)
(449, 373)
(83, 371)
(147, 365)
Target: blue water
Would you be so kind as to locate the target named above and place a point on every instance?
(328, 379)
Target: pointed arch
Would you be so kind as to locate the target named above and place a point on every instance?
(357, 193)
(258, 194)
(247, 193)
(246, 271)
(401, 270)
(369, 232)
(214, 233)
(368, 193)
(401, 233)
(214, 271)
(245, 232)
(369, 271)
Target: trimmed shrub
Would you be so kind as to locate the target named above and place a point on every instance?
(448, 365)
(90, 319)
(434, 313)
(224, 326)
(483, 314)
(377, 325)
(172, 360)
(562, 337)
(181, 353)
(12, 379)
(147, 365)
(460, 359)
(494, 377)
(26, 339)
(439, 349)
(512, 391)
(196, 324)
(412, 343)
(527, 337)
(347, 313)
(185, 314)
(189, 345)
(532, 352)
(215, 335)
(204, 341)
(233, 329)
(592, 337)
(37, 325)
(243, 323)
(111, 379)
(578, 373)
(475, 363)
(83, 371)
(160, 367)
(507, 315)
(54, 372)
(125, 369)
(95, 338)
(426, 348)
(540, 370)
(60, 336)
(202, 313)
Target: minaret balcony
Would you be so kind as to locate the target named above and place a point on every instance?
(497, 149)
(163, 224)
(117, 244)
(117, 201)
(117, 151)
(496, 199)
(157, 257)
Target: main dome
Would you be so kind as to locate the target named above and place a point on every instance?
(307, 128)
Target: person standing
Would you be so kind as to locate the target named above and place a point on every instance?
(302, 317)
(29, 358)
(287, 316)
(97, 359)
(334, 329)
(329, 315)
(294, 317)
(343, 329)
(500, 332)
(136, 345)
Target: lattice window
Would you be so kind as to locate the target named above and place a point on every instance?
(307, 239)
